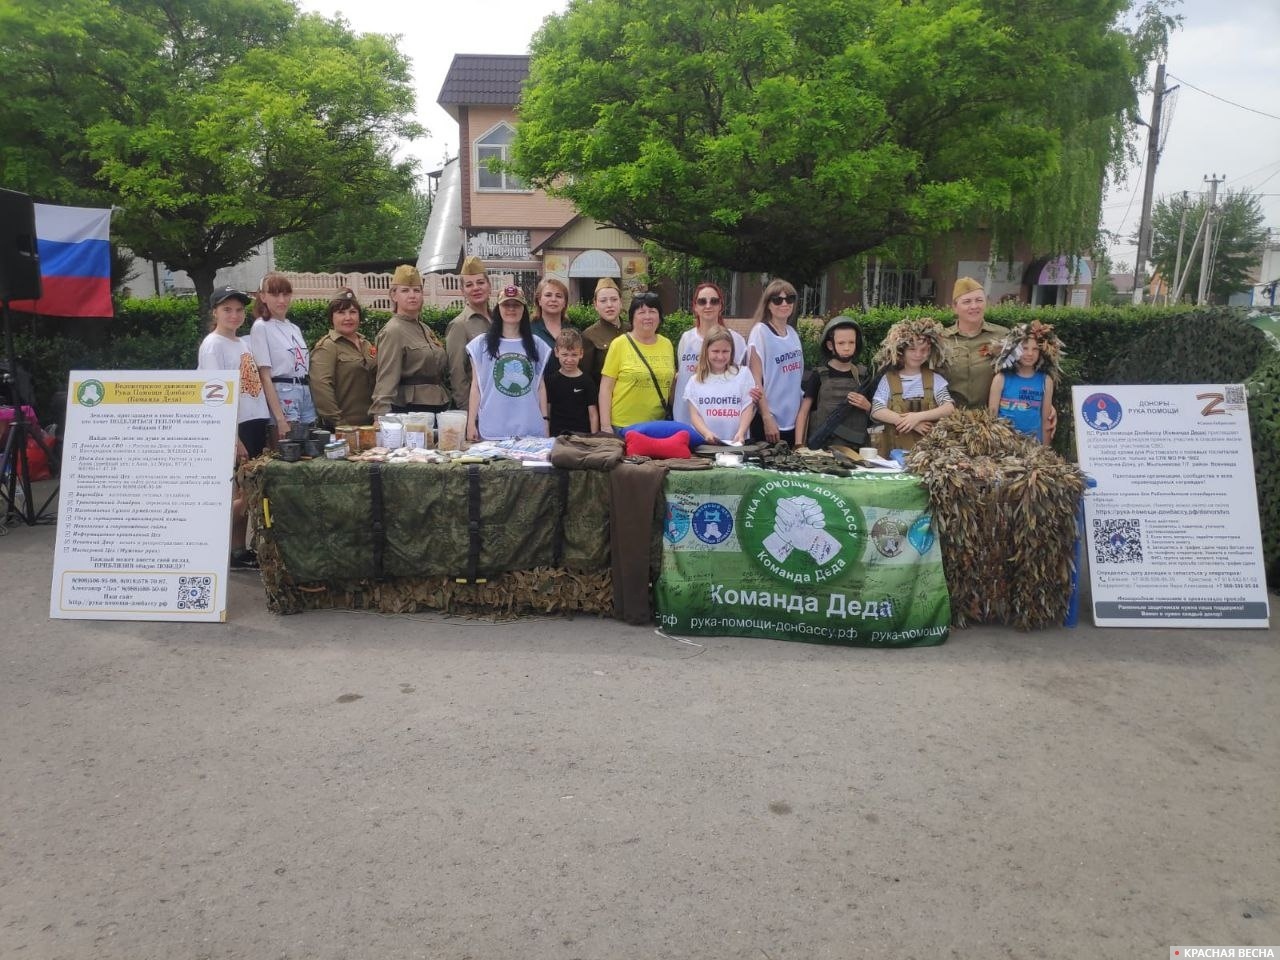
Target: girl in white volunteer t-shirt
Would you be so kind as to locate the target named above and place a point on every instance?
(719, 394)
(708, 310)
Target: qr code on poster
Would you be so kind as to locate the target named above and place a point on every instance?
(1117, 541)
(195, 593)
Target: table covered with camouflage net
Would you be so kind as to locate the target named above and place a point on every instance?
(492, 537)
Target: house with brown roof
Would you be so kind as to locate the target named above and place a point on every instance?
(522, 231)
(491, 214)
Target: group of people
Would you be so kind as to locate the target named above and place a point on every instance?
(518, 372)
(923, 372)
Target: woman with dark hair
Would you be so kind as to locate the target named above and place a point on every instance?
(777, 364)
(508, 398)
(281, 355)
(639, 369)
(343, 367)
(708, 310)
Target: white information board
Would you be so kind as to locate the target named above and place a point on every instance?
(1172, 525)
(144, 514)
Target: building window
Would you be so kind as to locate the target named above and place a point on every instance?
(892, 286)
(496, 145)
(813, 300)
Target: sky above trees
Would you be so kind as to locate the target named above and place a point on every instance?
(1230, 49)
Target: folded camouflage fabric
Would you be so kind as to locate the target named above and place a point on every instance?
(596, 452)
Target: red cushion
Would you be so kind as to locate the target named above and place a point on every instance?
(674, 447)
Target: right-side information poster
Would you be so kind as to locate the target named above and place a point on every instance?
(1172, 523)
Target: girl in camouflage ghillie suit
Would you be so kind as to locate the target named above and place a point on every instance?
(1027, 369)
(911, 396)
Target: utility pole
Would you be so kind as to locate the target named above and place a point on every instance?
(1172, 282)
(1206, 254)
(1153, 158)
(1181, 283)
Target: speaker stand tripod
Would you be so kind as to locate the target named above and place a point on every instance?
(15, 474)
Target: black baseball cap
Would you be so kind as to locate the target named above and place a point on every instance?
(227, 293)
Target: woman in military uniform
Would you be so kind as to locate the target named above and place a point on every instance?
(343, 367)
(412, 364)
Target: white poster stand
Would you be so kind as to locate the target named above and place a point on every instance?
(1173, 533)
(144, 513)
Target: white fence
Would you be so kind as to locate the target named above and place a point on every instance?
(371, 289)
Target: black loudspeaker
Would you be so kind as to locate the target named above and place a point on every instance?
(19, 257)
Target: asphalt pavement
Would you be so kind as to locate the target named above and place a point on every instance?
(347, 785)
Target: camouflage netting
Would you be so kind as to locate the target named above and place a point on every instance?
(307, 565)
(1004, 508)
(1264, 427)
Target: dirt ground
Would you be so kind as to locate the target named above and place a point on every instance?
(343, 785)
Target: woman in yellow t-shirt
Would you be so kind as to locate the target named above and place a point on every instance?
(639, 369)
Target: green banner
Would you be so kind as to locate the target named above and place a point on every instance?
(757, 553)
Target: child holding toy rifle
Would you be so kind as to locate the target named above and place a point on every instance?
(837, 393)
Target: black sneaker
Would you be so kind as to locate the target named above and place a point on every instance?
(243, 558)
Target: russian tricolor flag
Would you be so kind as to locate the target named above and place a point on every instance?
(75, 262)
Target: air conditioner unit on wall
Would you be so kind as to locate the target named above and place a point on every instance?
(924, 287)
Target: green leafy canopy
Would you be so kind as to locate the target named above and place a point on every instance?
(212, 125)
(784, 136)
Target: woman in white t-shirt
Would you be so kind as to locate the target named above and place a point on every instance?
(224, 349)
(284, 363)
(508, 396)
(718, 397)
(708, 310)
(777, 363)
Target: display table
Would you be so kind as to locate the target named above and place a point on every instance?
(744, 552)
(400, 537)
(757, 553)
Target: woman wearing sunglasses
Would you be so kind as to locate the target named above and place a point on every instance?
(708, 310)
(777, 364)
(639, 370)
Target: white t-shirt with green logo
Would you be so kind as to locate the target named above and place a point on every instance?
(508, 388)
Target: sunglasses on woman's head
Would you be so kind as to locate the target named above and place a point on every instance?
(648, 299)
(708, 301)
(780, 298)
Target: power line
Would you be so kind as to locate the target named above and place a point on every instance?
(1270, 116)
(1264, 181)
(1273, 163)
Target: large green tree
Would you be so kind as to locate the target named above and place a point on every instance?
(212, 125)
(386, 228)
(783, 136)
(1236, 248)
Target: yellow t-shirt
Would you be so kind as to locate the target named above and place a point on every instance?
(634, 398)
